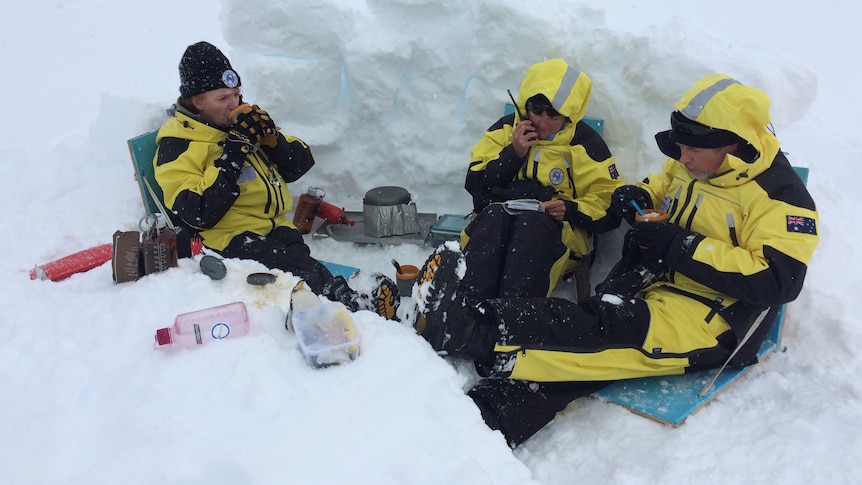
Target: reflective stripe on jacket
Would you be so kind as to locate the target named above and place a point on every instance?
(575, 165)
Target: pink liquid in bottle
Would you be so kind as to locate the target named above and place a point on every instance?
(196, 328)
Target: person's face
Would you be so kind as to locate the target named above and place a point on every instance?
(703, 163)
(215, 106)
(544, 123)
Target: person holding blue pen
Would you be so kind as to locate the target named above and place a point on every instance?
(688, 293)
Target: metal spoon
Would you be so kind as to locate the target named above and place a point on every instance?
(397, 266)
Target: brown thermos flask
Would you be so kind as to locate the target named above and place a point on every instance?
(306, 209)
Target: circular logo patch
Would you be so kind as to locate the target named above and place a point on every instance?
(229, 78)
(557, 176)
(220, 330)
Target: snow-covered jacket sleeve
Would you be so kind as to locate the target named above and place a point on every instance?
(291, 156)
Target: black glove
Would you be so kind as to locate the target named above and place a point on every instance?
(629, 282)
(654, 238)
(633, 272)
(233, 157)
(270, 135)
(621, 201)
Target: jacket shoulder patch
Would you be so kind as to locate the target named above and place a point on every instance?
(805, 225)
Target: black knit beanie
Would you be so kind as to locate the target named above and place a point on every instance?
(204, 68)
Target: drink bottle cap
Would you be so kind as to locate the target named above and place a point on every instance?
(156, 221)
(260, 279)
(161, 221)
(316, 192)
(163, 336)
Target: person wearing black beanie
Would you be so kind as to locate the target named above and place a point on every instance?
(203, 68)
(224, 166)
(209, 86)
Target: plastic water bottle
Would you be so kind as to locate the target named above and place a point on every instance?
(196, 328)
(306, 209)
(159, 245)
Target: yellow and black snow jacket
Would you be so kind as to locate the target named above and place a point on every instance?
(754, 222)
(575, 165)
(206, 199)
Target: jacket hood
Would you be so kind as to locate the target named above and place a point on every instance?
(719, 101)
(567, 88)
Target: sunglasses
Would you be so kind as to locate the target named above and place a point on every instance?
(684, 126)
(538, 110)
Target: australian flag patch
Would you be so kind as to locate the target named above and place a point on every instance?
(805, 225)
(612, 170)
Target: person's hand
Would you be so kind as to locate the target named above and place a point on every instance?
(654, 238)
(621, 201)
(233, 157)
(523, 137)
(556, 209)
(269, 138)
(628, 282)
(250, 125)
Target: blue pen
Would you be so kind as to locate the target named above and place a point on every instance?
(638, 208)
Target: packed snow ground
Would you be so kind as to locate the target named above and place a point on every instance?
(388, 92)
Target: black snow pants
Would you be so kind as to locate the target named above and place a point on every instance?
(519, 408)
(511, 255)
(283, 249)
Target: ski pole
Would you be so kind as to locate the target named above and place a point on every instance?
(748, 334)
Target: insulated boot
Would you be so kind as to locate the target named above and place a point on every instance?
(442, 317)
(381, 296)
(339, 291)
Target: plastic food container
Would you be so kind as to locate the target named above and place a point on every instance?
(326, 334)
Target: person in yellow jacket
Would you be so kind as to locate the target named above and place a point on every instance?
(227, 179)
(542, 151)
(740, 232)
